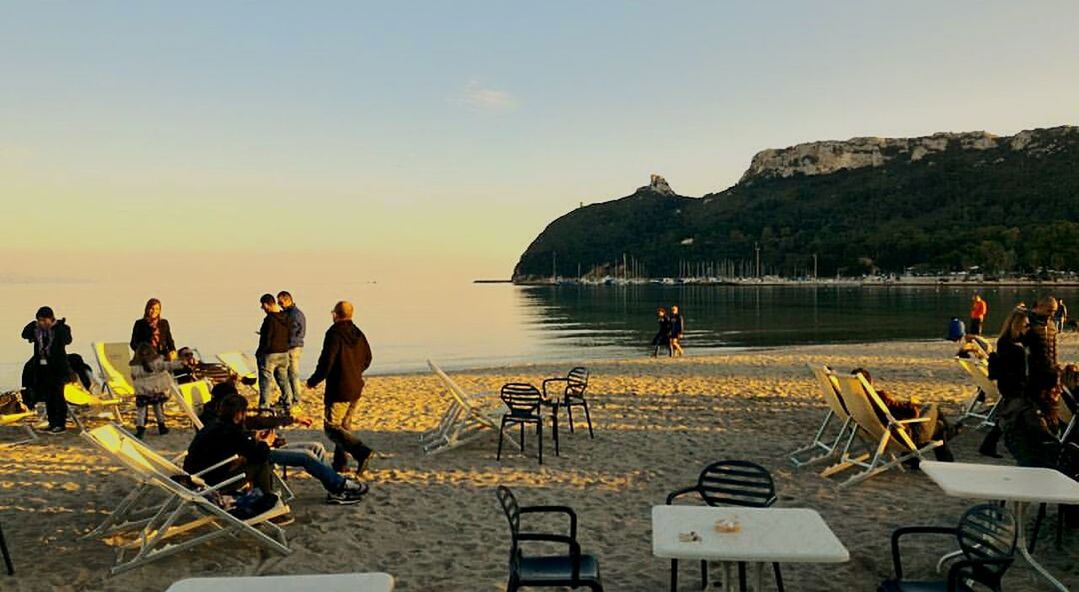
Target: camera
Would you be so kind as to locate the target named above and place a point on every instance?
(266, 419)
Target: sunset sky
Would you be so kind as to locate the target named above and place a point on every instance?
(441, 137)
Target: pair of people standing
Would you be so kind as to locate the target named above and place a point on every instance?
(671, 330)
(280, 348)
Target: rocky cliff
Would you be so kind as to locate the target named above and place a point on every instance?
(944, 202)
(822, 158)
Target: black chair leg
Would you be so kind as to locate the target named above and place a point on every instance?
(779, 577)
(569, 414)
(500, 434)
(7, 555)
(674, 575)
(554, 427)
(741, 575)
(522, 436)
(588, 417)
(539, 436)
(704, 574)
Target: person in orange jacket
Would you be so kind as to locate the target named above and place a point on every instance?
(978, 310)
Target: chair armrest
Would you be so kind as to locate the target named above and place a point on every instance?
(217, 466)
(221, 485)
(574, 547)
(897, 562)
(955, 573)
(683, 491)
(179, 457)
(555, 509)
(543, 385)
(912, 420)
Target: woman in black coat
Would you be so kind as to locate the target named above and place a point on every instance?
(153, 329)
(663, 335)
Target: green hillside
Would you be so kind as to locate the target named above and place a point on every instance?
(1013, 207)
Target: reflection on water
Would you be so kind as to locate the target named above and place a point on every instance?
(468, 325)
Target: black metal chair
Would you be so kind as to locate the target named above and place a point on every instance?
(572, 395)
(573, 570)
(524, 402)
(7, 555)
(1067, 463)
(987, 537)
(731, 483)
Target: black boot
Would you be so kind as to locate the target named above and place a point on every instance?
(362, 454)
(140, 432)
(989, 444)
(161, 429)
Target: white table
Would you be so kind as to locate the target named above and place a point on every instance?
(766, 535)
(1019, 485)
(352, 582)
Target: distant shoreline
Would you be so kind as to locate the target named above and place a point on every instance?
(916, 283)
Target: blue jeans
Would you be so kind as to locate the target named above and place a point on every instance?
(294, 354)
(306, 456)
(274, 368)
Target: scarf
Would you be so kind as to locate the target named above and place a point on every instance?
(44, 341)
(155, 332)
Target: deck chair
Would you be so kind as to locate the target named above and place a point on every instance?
(982, 405)
(243, 364)
(79, 401)
(113, 360)
(19, 418)
(467, 417)
(826, 447)
(894, 444)
(188, 513)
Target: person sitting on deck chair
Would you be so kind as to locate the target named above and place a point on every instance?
(309, 456)
(922, 433)
(195, 369)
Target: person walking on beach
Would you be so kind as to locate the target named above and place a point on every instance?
(1061, 317)
(153, 329)
(678, 326)
(663, 335)
(978, 310)
(48, 370)
(152, 375)
(297, 329)
(272, 353)
(344, 358)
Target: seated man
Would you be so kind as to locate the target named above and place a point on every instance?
(195, 369)
(922, 433)
(310, 456)
(225, 438)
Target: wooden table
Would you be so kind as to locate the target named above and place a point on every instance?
(1019, 485)
(351, 582)
(765, 535)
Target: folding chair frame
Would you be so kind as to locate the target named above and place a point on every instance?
(831, 446)
(464, 420)
(979, 407)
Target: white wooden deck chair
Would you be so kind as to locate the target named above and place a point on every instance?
(353, 582)
(982, 405)
(20, 419)
(892, 437)
(467, 417)
(80, 401)
(243, 364)
(825, 447)
(187, 513)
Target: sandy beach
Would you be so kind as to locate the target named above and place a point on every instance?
(434, 523)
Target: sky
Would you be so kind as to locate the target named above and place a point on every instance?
(437, 139)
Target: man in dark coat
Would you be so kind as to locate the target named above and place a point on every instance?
(272, 353)
(48, 370)
(345, 355)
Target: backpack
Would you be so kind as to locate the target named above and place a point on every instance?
(956, 330)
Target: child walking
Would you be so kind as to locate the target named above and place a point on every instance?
(153, 381)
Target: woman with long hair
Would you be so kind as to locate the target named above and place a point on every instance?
(663, 335)
(1026, 432)
(153, 329)
(153, 382)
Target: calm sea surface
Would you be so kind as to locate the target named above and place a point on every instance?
(463, 325)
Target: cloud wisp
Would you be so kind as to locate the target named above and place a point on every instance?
(478, 97)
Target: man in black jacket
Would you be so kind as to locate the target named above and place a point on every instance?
(48, 370)
(272, 353)
(345, 355)
(1043, 374)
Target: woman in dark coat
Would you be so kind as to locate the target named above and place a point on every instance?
(663, 336)
(153, 329)
(1026, 432)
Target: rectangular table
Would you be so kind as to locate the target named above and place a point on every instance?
(1019, 485)
(351, 582)
(766, 535)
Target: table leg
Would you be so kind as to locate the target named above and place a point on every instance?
(726, 575)
(760, 577)
(674, 575)
(1020, 509)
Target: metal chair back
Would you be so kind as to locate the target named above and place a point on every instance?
(577, 381)
(521, 398)
(988, 532)
(736, 483)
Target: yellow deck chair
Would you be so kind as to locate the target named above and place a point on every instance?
(79, 401)
(113, 359)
